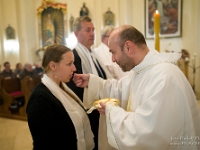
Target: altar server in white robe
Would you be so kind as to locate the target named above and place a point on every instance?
(103, 53)
(158, 108)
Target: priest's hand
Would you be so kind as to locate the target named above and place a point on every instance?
(102, 109)
(81, 80)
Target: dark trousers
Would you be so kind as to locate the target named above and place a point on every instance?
(94, 122)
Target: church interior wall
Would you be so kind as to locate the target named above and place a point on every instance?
(21, 15)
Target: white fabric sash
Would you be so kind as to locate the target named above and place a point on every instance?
(77, 114)
(87, 62)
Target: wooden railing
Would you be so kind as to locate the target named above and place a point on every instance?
(183, 65)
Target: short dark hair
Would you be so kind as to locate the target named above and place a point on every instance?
(130, 33)
(53, 53)
(5, 63)
(77, 22)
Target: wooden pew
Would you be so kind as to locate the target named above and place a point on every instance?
(27, 84)
(10, 90)
(1, 99)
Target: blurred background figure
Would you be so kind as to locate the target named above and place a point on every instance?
(7, 72)
(18, 69)
(28, 71)
(39, 69)
(106, 57)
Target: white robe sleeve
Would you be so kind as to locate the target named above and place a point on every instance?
(99, 88)
(90, 95)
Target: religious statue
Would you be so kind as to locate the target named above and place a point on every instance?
(84, 10)
(108, 17)
(10, 34)
(50, 31)
(52, 22)
(71, 21)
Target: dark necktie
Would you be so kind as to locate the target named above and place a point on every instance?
(98, 67)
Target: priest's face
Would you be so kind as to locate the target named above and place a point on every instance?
(86, 34)
(124, 61)
(120, 57)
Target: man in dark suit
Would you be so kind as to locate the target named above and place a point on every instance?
(87, 62)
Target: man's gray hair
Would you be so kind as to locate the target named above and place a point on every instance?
(107, 29)
(77, 22)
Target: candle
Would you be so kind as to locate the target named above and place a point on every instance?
(157, 30)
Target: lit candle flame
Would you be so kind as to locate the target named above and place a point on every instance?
(157, 12)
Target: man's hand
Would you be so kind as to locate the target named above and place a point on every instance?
(81, 80)
(102, 109)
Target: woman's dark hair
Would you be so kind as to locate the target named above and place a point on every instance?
(53, 53)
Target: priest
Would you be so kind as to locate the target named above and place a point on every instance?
(158, 108)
